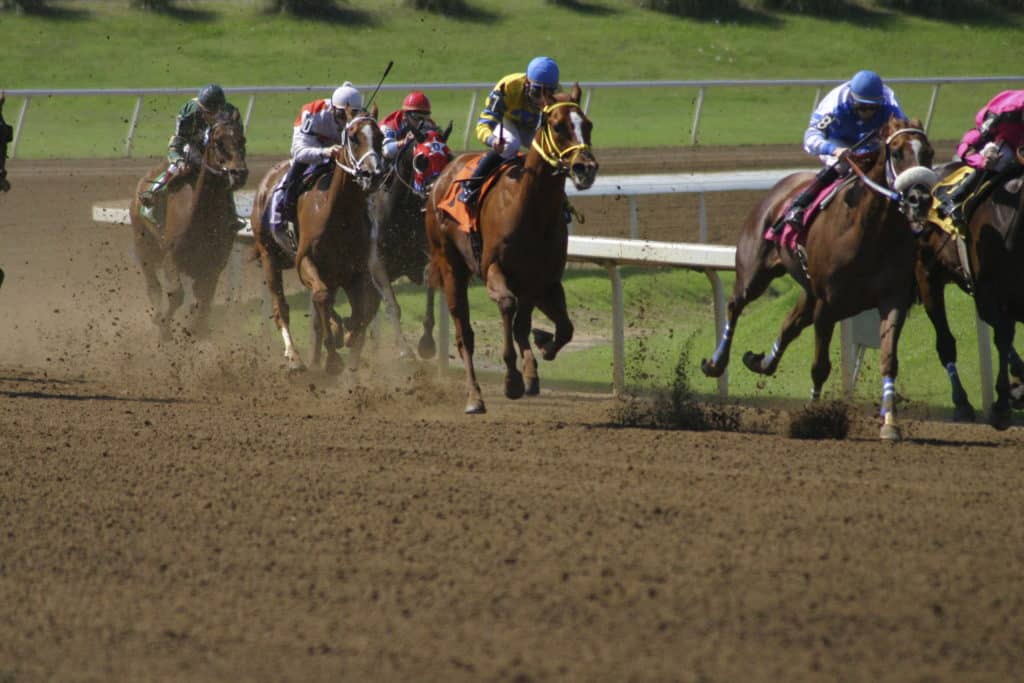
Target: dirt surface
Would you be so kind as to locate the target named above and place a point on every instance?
(186, 511)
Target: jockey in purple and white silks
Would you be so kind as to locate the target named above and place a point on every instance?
(847, 115)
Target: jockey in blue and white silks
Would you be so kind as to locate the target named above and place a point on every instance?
(845, 117)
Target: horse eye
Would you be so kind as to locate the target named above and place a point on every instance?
(897, 155)
(560, 128)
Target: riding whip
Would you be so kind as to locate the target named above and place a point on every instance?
(387, 70)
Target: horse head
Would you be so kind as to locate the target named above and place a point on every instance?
(908, 168)
(429, 157)
(224, 149)
(362, 142)
(563, 139)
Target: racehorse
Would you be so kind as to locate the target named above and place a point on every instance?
(399, 245)
(520, 251)
(860, 254)
(199, 228)
(992, 273)
(333, 247)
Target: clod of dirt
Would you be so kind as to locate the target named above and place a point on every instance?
(830, 420)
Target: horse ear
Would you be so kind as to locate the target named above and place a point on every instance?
(576, 92)
(373, 110)
(447, 131)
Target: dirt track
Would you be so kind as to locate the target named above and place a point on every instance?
(187, 512)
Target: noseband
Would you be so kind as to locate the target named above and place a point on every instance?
(548, 148)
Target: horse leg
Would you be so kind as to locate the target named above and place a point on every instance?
(382, 282)
(799, 317)
(174, 292)
(1003, 332)
(552, 304)
(893, 317)
(933, 298)
(148, 258)
(746, 288)
(426, 347)
(272, 277)
(521, 332)
(497, 289)
(364, 299)
(204, 289)
(821, 366)
(455, 282)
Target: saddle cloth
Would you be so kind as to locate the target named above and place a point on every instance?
(456, 209)
(791, 238)
(940, 193)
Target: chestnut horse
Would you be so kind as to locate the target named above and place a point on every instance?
(399, 245)
(199, 227)
(333, 248)
(860, 254)
(994, 276)
(522, 247)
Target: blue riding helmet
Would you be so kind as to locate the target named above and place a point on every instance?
(866, 88)
(543, 71)
(211, 97)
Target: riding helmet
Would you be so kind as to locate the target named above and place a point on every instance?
(543, 71)
(416, 101)
(866, 88)
(211, 97)
(347, 96)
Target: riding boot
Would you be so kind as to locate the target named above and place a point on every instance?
(148, 198)
(292, 189)
(952, 206)
(795, 215)
(471, 186)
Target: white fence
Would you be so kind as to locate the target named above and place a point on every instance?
(856, 333)
(701, 86)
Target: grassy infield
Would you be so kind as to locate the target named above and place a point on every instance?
(103, 44)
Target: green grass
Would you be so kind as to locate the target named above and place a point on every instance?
(668, 311)
(107, 45)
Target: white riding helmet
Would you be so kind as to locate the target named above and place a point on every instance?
(347, 96)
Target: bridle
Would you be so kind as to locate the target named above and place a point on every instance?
(893, 179)
(207, 152)
(547, 146)
(352, 164)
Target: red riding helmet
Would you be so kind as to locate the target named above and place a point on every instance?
(416, 101)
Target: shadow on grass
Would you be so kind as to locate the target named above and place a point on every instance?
(39, 8)
(582, 7)
(331, 13)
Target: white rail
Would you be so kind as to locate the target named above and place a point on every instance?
(856, 333)
(475, 88)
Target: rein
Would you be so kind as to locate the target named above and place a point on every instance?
(548, 148)
(890, 172)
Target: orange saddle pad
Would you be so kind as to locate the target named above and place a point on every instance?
(455, 208)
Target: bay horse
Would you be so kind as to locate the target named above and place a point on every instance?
(199, 227)
(399, 245)
(993, 274)
(333, 246)
(860, 254)
(6, 135)
(523, 239)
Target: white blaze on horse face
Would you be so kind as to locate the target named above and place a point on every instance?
(577, 126)
(367, 132)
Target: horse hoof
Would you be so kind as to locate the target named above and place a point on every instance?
(891, 433)
(475, 408)
(427, 348)
(334, 365)
(542, 337)
(964, 413)
(753, 362)
(1001, 418)
(514, 387)
(710, 369)
(296, 366)
(532, 386)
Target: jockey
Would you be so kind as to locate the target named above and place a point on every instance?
(316, 138)
(399, 124)
(6, 135)
(186, 145)
(990, 147)
(510, 118)
(845, 117)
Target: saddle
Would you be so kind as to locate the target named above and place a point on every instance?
(793, 239)
(456, 209)
(1004, 189)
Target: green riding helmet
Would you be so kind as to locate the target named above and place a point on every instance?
(211, 97)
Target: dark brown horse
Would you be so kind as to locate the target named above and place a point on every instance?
(399, 243)
(860, 254)
(333, 248)
(994, 273)
(523, 243)
(199, 227)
